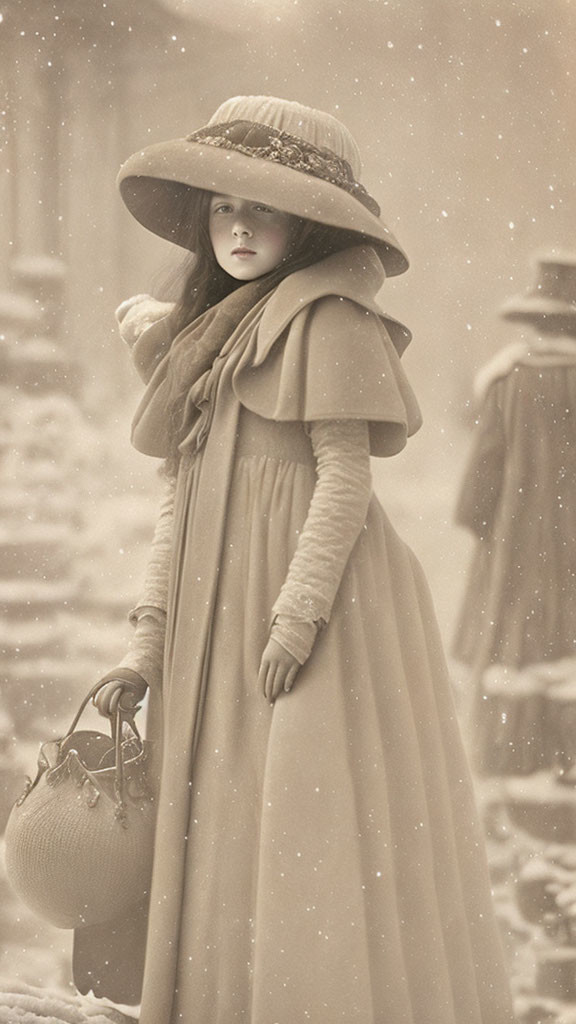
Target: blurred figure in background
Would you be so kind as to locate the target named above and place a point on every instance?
(518, 497)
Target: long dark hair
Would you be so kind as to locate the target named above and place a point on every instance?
(199, 283)
(206, 283)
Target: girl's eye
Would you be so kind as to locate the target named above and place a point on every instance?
(222, 208)
(264, 209)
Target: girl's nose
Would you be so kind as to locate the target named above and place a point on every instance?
(241, 227)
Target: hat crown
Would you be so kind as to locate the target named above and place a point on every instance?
(312, 126)
(551, 299)
(555, 279)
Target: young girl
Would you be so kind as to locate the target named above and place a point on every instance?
(317, 857)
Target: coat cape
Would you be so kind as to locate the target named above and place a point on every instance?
(280, 358)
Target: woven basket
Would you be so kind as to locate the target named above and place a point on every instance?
(79, 841)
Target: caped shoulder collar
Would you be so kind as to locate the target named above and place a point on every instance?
(355, 273)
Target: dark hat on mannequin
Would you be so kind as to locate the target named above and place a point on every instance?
(277, 151)
(552, 298)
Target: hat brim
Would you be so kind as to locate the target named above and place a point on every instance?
(155, 182)
(534, 309)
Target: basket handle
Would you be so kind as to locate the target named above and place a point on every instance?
(84, 704)
(117, 720)
(116, 724)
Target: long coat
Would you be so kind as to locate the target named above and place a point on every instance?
(518, 497)
(318, 860)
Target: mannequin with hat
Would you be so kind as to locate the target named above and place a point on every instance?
(518, 492)
(317, 852)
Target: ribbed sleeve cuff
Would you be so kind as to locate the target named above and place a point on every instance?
(296, 636)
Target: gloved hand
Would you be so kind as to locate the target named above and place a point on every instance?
(119, 693)
(278, 670)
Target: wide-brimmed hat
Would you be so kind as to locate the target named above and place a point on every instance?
(552, 298)
(279, 152)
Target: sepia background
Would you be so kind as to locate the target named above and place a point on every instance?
(465, 115)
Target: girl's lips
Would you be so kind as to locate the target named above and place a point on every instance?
(243, 252)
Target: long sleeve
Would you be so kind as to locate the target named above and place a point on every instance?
(335, 518)
(145, 652)
(154, 590)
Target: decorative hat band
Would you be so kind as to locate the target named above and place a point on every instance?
(267, 143)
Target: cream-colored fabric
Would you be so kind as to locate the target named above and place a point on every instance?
(296, 636)
(314, 126)
(335, 361)
(154, 592)
(146, 648)
(317, 347)
(136, 314)
(318, 859)
(337, 513)
(145, 652)
(336, 516)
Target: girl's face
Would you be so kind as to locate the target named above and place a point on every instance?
(249, 239)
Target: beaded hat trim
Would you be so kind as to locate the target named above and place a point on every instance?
(267, 143)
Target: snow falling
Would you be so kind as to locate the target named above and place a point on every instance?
(464, 114)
